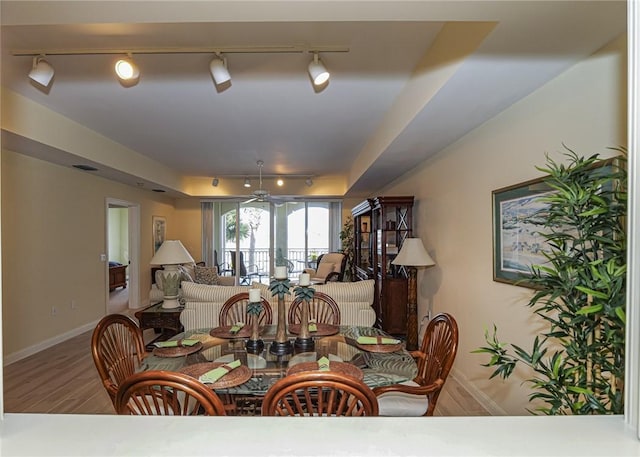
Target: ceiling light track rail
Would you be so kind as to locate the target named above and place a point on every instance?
(186, 50)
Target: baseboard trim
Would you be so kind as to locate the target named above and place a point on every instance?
(46, 344)
(486, 401)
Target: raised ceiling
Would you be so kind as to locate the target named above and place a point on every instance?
(417, 77)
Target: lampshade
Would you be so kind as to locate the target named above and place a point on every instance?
(219, 70)
(413, 254)
(171, 252)
(317, 71)
(41, 72)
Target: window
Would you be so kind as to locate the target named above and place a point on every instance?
(291, 234)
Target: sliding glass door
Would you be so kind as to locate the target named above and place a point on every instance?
(247, 240)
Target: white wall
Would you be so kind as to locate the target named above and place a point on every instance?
(584, 108)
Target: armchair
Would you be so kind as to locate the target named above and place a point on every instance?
(331, 267)
(435, 359)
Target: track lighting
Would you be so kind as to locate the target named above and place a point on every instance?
(308, 182)
(41, 72)
(215, 182)
(317, 71)
(247, 183)
(129, 74)
(127, 71)
(280, 181)
(219, 71)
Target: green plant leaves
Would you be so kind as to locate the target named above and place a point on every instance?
(580, 291)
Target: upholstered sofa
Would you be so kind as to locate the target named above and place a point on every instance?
(156, 294)
(204, 302)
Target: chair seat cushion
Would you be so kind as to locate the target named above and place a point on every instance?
(400, 404)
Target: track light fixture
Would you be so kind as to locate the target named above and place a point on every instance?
(219, 70)
(215, 182)
(308, 182)
(247, 183)
(317, 71)
(41, 71)
(280, 181)
(127, 71)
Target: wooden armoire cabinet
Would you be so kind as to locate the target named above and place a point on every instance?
(381, 224)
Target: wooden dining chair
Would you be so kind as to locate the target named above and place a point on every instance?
(319, 393)
(118, 349)
(434, 359)
(322, 308)
(166, 393)
(235, 310)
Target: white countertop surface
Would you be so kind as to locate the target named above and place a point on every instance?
(110, 435)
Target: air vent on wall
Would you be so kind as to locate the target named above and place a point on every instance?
(85, 167)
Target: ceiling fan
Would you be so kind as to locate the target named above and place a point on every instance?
(260, 194)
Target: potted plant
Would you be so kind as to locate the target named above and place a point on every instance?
(580, 292)
(347, 242)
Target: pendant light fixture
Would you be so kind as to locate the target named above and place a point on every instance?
(41, 72)
(127, 71)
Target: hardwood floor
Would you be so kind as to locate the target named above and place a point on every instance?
(64, 380)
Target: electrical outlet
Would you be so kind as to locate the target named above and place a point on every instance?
(74, 304)
(54, 311)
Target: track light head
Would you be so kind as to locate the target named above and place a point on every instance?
(280, 181)
(41, 71)
(317, 71)
(247, 183)
(127, 71)
(308, 182)
(219, 70)
(215, 182)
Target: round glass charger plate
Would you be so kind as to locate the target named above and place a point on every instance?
(234, 378)
(337, 367)
(323, 329)
(177, 351)
(223, 332)
(379, 347)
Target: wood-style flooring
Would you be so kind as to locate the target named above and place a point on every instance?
(64, 380)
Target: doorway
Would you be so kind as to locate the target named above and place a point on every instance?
(122, 246)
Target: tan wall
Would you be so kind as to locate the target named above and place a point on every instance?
(188, 226)
(53, 233)
(584, 108)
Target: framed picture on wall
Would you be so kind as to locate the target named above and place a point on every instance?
(159, 225)
(517, 243)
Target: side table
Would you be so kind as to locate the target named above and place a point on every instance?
(165, 321)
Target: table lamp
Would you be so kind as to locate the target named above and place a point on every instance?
(412, 255)
(171, 254)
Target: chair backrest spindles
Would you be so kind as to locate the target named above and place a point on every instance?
(117, 348)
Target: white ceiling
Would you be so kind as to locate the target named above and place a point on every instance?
(393, 100)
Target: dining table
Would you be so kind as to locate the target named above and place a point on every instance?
(375, 364)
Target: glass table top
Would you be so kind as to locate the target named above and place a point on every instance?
(378, 368)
